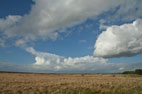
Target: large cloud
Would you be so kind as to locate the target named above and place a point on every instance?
(117, 41)
(56, 63)
(48, 17)
(52, 63)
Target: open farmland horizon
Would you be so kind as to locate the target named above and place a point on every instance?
(70, 46)
(21, 83)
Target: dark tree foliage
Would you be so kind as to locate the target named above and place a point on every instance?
(137, 71)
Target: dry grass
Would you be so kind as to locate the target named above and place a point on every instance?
(16, 83)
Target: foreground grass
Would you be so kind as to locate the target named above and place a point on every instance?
(16, 83)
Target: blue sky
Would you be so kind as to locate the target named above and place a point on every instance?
(15, 7)
(27, 36)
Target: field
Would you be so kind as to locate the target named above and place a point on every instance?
(20, 83)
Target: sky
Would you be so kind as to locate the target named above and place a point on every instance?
(70, 36)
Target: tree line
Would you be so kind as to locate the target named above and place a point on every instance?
(137, 71)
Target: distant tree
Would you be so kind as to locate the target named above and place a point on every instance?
(129, 72)
(138, 71)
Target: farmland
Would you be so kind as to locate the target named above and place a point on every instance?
(22, 83)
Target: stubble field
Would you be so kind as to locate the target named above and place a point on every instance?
(20, 83)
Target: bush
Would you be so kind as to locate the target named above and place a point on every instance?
(137, 71)
(129, 72)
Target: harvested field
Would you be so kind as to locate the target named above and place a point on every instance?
(20, 83)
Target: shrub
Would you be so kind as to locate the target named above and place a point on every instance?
(129, 72)
(138, 71)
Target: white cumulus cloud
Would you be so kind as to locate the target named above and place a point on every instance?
(54, 63)
(117, 41)
(48, 17)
